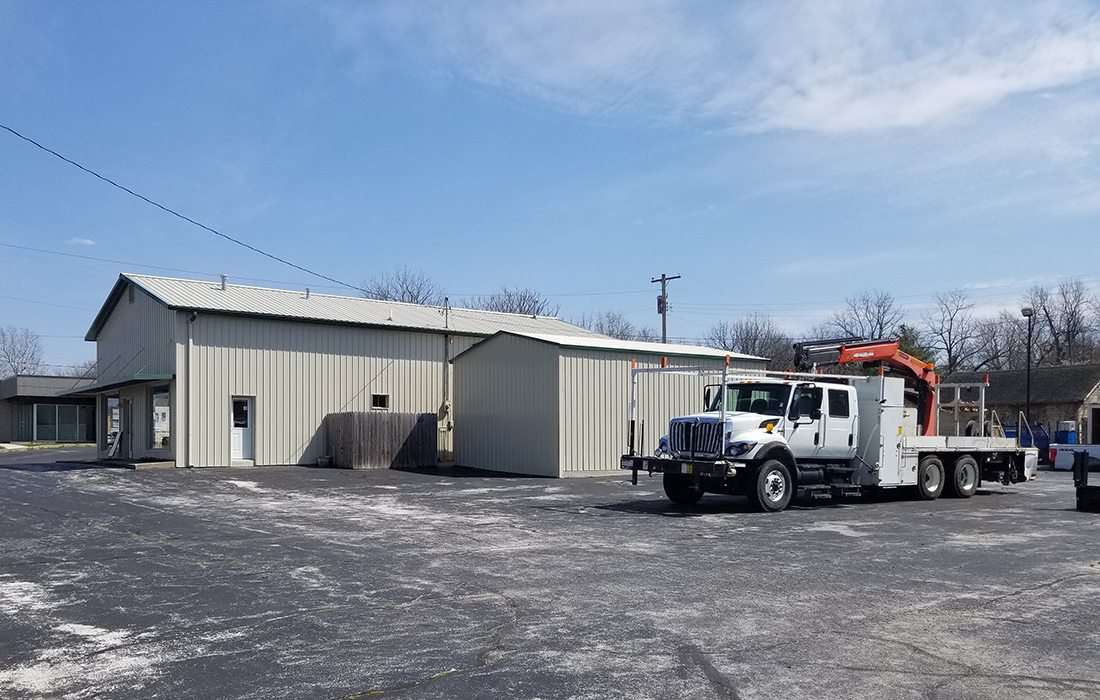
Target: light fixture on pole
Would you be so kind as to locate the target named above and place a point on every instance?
(1029, 314)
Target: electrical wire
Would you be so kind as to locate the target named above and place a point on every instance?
(175, 213)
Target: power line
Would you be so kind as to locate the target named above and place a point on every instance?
(175, 213)
(130, 263)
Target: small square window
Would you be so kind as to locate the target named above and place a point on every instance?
(380, 402)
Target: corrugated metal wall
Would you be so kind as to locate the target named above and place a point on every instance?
(137, 337)
(506, 407)
(595, 405)
(298, 373)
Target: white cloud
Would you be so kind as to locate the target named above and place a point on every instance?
(82, 241)
(975, 106)
(836, 67)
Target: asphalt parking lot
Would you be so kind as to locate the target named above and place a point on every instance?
(308, 583)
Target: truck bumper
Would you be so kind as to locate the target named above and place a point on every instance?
(719, 469)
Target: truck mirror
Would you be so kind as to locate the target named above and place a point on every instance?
(706, 398)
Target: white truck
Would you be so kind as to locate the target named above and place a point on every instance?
(770, 436)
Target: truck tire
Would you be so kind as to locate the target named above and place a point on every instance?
(771, 487)
(682, 490)
(962, 477)
(930, 478)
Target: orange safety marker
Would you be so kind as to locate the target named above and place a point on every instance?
(664, 362)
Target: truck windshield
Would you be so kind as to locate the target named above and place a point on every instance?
(766, 399)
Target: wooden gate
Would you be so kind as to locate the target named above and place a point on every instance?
(381, 440)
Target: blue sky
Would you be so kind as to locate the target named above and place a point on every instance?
(779, 155)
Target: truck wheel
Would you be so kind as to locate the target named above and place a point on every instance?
(930, 478)
(962, 478)
(772, 487)
(682, 490)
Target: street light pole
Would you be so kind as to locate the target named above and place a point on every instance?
(1029, 314)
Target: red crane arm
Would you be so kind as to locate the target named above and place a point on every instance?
(890, 353)
(843, 351)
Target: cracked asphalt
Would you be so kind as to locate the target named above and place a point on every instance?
(309, 583)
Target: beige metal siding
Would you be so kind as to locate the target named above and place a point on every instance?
(298, 373)
(506, 407)
(136, 337)
(595, 405)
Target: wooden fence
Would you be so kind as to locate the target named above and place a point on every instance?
(381, 440)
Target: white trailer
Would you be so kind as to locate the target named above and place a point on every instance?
(770, 436)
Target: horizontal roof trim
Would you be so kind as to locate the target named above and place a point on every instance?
(636, 347)
(139, 378)
(295, 305)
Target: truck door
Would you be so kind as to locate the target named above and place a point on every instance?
(804, 423)
(840, 425)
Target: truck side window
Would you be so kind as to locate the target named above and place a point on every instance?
(838, 404)
(805, 401)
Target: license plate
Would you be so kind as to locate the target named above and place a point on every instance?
(686, 468)
(627, 464)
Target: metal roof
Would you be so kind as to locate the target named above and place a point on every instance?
(628, 346)
(1049, 385)
(196, 295)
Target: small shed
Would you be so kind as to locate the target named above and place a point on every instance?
(550, 405)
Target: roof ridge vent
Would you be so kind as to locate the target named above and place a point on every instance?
(225, 282)
(307, 292)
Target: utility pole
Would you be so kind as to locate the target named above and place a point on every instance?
(662, 302)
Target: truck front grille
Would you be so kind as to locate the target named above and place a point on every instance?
(698, 438)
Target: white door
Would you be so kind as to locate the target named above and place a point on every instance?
(242, 429)
(840, 425)
(804, 423)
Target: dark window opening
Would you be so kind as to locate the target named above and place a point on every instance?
(838, 404)
(380, 402)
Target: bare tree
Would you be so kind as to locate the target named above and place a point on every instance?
(611, 323)
(952, 331)
(1062, 332)
(82, 370)
(1002, 343)
(404, 285)
(647, 334)
(755, 334)
(873, 315)
(20, 351)
(515, 301)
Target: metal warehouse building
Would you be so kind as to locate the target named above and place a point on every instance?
(209, 374)
(554, 405)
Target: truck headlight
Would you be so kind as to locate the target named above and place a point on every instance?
(736, 449)
(663, 451)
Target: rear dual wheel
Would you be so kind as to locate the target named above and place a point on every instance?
(962, 477)
(931, 477)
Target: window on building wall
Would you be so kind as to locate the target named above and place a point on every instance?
(111, 421)
(380, 402)
(162, 418)
(45, 422)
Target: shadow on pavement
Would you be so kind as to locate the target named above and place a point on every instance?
(54, 466)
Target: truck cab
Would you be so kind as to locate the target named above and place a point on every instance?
(812, 421)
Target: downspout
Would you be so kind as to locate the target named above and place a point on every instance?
(187, 384)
